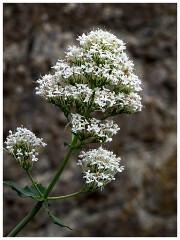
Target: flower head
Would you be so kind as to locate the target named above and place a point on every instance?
(23, 145)
(99, 167)
(96, 75)
(93, 128)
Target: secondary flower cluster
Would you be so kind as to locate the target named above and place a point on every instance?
(93, 128)
(23, 145)
(99, 167)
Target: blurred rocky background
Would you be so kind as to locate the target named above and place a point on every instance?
(142, 200)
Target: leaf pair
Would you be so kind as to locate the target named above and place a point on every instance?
(31, 191)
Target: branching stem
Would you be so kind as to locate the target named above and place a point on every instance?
(38, 205)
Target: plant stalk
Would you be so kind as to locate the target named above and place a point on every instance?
(34, 183)
(61, 167)
(66, 196)
(25, 221)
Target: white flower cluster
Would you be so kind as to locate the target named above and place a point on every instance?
(97, 75)
(99, 167)
(23, 145)
(93, 128)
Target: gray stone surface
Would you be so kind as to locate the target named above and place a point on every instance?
(142, 200)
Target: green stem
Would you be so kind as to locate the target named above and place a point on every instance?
(25, 221)
(37, 207)
(34, 183)
(66, 196)
(61, 167)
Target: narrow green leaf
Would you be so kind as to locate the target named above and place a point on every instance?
(55, 219)
(27, 191)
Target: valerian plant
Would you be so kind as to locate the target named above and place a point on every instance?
(95, 82)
